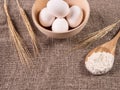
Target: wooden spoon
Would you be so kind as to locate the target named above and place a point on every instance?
(108, 47)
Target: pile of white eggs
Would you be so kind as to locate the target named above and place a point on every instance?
(59, 16)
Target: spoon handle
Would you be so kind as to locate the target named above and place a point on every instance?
(111, 45)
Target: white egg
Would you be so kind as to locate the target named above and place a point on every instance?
(60, 25)
(45, 18)
(58, 8)
(75, 16)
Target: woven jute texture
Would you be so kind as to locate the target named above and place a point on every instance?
(53, 70)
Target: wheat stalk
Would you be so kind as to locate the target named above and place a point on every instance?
(29, 28)
(92, 37)
(19, 44)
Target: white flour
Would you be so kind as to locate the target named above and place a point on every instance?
(99, 63)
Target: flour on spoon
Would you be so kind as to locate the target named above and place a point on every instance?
(99, 63)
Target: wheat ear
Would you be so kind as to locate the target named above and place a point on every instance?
(29, 28)
(19, 44)
(92, 37)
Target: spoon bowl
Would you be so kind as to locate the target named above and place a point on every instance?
(107, 48)
(40, 4)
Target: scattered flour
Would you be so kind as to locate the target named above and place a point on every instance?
(99, 63)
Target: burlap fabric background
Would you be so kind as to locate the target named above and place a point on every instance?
(53, 70)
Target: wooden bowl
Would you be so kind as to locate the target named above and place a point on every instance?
(40, 4)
